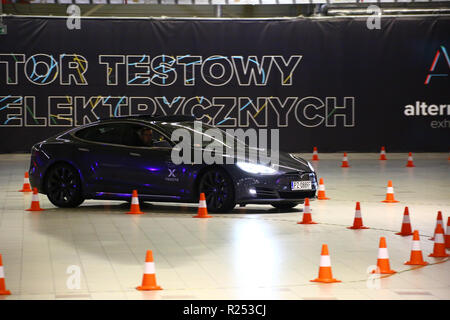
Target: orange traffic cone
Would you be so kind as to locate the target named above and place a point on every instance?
(3, 291)
(383, 154)
(440, 221)
(135, 209)
(315, 154)
(410, 162)
(202, 211)
(345, 161)
(416, 258)
(149, 278)
(439, 244)
(390, 193)
(357, 222)
(321, 194)
(35, 201)
(26, 184)
(306, 214)
(406, 224)
(447, 234)
(383, 259)
(325, 274)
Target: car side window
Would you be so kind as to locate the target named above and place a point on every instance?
(133, 135)
(159, 140)
(136, 135)
(106, 133)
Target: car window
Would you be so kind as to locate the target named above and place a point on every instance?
(106, 133)
(159, 139)
(136, 135)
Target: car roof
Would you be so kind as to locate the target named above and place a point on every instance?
(149, 118)
(154, 120)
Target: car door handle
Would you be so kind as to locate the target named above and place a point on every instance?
(135, 154)
(83, 149)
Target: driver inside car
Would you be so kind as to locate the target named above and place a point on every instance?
(146, 136)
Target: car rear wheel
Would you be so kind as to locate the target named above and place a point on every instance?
(63, 186)
(219, 190)
(284, 205)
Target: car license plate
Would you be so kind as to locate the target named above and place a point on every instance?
(300, 185)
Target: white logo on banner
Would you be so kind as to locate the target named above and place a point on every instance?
(374, 22)
(74, 21)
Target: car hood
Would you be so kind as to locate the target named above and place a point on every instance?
(287, 162)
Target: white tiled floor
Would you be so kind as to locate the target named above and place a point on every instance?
(251, 253)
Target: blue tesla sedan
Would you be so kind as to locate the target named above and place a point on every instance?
(109, 158)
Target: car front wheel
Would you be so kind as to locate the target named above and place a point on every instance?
(219, 190)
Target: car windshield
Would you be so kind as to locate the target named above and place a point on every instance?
(228, 140)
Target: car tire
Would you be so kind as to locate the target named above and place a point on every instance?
(285, 205)
(63, 186)
(218, 187)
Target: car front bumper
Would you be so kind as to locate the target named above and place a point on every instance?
(269, 189)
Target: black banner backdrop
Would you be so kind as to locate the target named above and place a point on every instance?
(331, 83)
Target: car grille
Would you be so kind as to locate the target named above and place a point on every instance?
(266, 193)
(297, 194)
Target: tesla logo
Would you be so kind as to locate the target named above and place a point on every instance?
(440, 53)
(172, 173)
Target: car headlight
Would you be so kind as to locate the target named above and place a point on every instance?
(256, 168)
